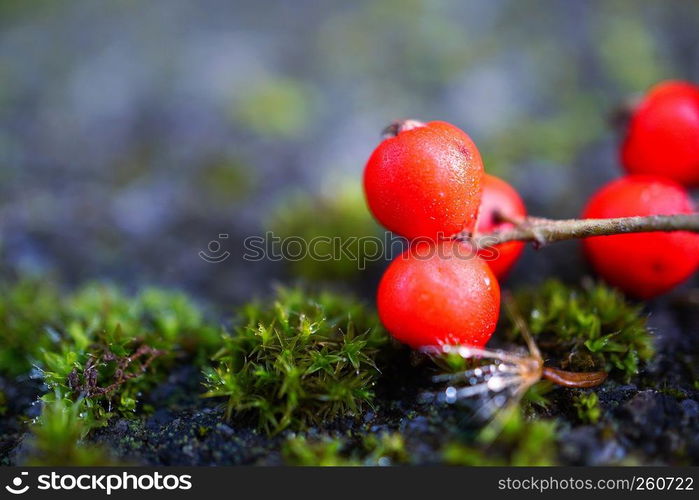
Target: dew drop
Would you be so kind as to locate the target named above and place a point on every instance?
(496, 384)
(450, 394)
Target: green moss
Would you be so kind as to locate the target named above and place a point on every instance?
(538, 395)
(587, 407)
(374, 449)
(29, 312)
(325, 451)
(112, 347)
(591, 327)
(387, 448)
(57, 437)
(97, 348)
(303, 359)
(37, 323)
(334, 229)
(162, 319)
(518, 442)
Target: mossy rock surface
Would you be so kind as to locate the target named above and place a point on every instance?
(648, 416)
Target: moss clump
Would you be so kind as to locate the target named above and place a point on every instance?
(56, 437)
(334, 230)
(112, 347)
(587, 328)
(301, 360)
(162, 319)
(519, 443)
(374, 449)
(587, 406)
(98, 347)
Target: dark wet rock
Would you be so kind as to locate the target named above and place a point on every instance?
(655, 425)
(586, 446)
(20, 404)
(225, 430)
(690, 408)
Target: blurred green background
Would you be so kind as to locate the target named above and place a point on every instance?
(134, 133)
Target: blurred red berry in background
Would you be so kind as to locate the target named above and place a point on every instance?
(645, 264)
(662, 136)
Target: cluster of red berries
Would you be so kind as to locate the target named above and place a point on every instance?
(660, 152)
(426, 182)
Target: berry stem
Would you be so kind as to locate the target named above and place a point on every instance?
(543, 231)
(399, 126)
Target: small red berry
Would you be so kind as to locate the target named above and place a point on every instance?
(663, 134)
(499, 198)
(425, 181)
(644, 264)
(439, 293)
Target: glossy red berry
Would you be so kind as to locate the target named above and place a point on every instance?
(439, 293)
(499, 198)
(663, 134)
(425, 181)
(645, 264)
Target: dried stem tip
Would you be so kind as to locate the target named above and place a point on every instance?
(399, 126)
(573, 379)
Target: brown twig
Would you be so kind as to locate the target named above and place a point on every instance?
(543, 231)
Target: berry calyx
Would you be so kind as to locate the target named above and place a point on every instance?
(644, 264)
(662, 137)
(500, 203)
(425, 181)
(439, 293)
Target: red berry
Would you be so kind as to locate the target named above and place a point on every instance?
(425, 181)
(644, 264)
(439, 293)
(499, 197)
(663, 134)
